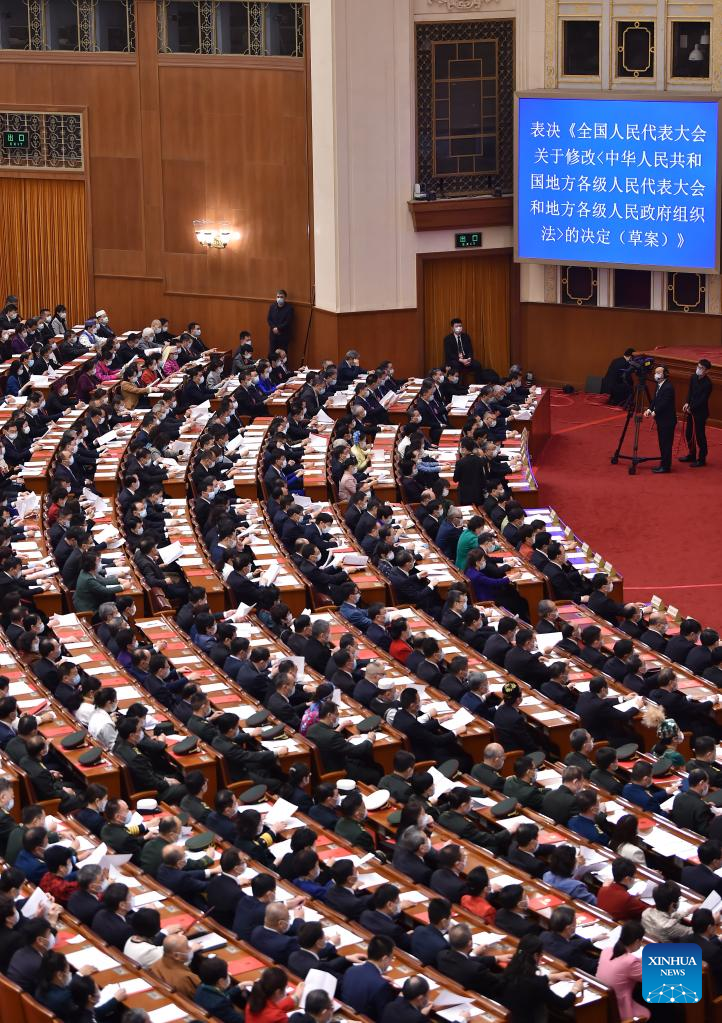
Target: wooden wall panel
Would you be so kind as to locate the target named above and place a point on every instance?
(116, 225)
(170, 140)
(566, 344)
(379, 335)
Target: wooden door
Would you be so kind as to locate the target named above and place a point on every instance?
(476, 288)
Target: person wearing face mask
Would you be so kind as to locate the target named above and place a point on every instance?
(87, 336)
(7, 821)
(662, 409)
(696, 409)
(110, 923)
(9, 315)
(197, 346)
(280, 323)
(59, 400)
(25, 963)
(12, 935)
(459, 354)
(173, 967)
(91, 813)
(104, 330)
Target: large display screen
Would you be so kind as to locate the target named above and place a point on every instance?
(617, 182)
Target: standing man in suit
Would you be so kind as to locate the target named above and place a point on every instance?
(280, 322)
(697, 410)
(663, 410)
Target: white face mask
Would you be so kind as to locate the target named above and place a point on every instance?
(659, 377)
(128, 817)
(699, 371)
(51, 941)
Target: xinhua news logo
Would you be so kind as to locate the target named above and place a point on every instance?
(671, 973)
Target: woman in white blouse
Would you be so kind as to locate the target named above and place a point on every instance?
(102, 721)
(88, 688)
(625, 840)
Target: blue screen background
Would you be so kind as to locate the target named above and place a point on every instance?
(617, 182)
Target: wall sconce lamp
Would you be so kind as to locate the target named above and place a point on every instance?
(210, 236)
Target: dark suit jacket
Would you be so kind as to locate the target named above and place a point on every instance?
(560, 804)
(426, 943)
(335, 751)
(428, 741)
(512, 731)
(472, 973)
(514, 923)
(653, 640)
(690, 811)
(222, 896)
(277, 947)
(84, 906)
(366, 990)
(411, 865)
(701, 879)
(23, 968)
(663, 405)
(448, 884)
(380, 923)
(347, 903)
(402, 1011)
(113, 929)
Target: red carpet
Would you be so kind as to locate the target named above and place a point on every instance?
(663, 533)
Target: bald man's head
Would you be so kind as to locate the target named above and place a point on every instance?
(494, 754)
(277, 917)
(177, 947)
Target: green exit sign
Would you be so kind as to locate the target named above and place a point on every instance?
(16, 140)
(469, 240)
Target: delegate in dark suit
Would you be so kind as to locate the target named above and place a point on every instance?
(426, 943)
(697, 409)
(663, 407)
(472, 973)
(366, 990)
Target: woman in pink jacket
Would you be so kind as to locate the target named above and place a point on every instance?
(102, 369)
(621, 970)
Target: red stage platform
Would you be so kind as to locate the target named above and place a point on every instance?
(681, 361)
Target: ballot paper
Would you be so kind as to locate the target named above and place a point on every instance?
(442, 784)
(445, 999)
(132, 986)
(546, 641)
(323, 419)
(627, 705)
(712, 901)
(318, 980)
(91, 957)
(147, 899)
(281, 810)
(167, 1013)
(37, 901)
(459, 721)
(279, 849)
(170, 553)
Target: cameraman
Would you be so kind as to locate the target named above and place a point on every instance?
(663, 409)
(616, 382)
(697, 409)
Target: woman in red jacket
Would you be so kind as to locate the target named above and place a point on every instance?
(268, 1001)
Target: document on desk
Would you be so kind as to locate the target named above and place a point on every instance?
(132, 987)
(91, 957)
(167, 1013)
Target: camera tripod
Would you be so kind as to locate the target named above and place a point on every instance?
(637, 403)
